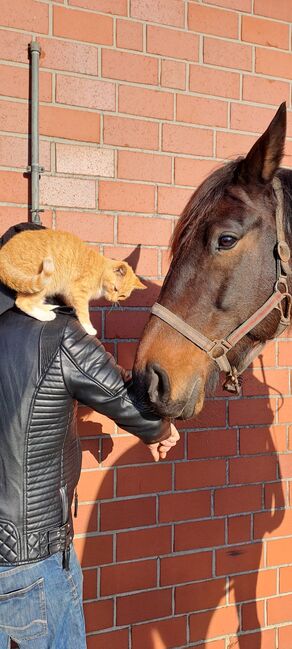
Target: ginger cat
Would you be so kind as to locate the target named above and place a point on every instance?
(42, 263)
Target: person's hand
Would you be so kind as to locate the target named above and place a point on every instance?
(159, 450)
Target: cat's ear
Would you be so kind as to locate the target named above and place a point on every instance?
(138, 284)
(121, 269)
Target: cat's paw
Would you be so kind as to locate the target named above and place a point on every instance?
(89, 328)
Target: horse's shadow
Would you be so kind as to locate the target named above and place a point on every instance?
(240, 579)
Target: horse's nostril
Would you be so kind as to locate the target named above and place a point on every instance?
(158, 383)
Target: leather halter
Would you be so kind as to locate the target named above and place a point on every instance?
(280, 299)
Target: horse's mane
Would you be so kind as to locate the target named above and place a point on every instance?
(208, 194)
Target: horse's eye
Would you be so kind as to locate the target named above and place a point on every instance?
(226, 241)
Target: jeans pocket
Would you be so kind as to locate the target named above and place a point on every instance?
(23, 612)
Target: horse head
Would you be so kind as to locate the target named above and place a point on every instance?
(223, 270)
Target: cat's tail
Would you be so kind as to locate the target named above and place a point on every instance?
(22, 283)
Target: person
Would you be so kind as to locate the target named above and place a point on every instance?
(45, 369)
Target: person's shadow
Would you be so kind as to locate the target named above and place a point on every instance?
(246, 504)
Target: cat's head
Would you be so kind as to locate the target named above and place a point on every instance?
(119, 280)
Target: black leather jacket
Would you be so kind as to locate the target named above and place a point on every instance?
(45, 368)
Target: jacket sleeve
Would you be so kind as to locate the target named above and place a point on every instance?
(93, 378)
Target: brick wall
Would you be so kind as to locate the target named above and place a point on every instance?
(140, 99)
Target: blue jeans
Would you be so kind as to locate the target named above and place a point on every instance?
(41, 605)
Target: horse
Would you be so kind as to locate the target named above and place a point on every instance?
(228, 288)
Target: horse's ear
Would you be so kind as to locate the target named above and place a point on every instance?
(265, 156)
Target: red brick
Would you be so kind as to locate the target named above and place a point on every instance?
(234, 500)
(168, 12)
(129, 67)
(143, 606)
(212, 21)
(239, 529)
(98, 615)
(285, 353)
(10, 215)
(186, 139)
(125, 450)
(184, 506)
(265, 32)
(195, 110)
(110, 639)
(276, 382)
(67, 192)
(86, 520)
(14, 152)
(143, 543)
(13, 116)
(282, 10)
(87, 226)
(173, 74)
(142, 480)
(13, 187)
(199, 596)
(79, 160)
(172, 633)
(94, 550)
(165, 261)
(133, 165)
(231, 145)
(89, 584)
(126, 196)
(118, 7)
(13, 46)
(218, 644)
(74, 57)
(125, 324)
(278, 552)
(285, 579)
(255, 411)
(150, 231)
(94, 485)
(252, 469)
(147, 265)
(198, 474)
(147, 103)
(213, 411)
(285, 637)
(177, 569)
(262, 583)
(69, 124)
(253, 616)
(249, 118)
(26, 14)
(212, 443)
(172, 200)
(273, 63)
(173, 43)
(242, 559)
(15, 83)
(122, 131)
(274, 493)
(90, 93)
(202, 534)
(284, 413)
(227, 54)
(127, 513)
(192, 172)
(240, 5)
(262, 440)
(263, 639)
(82, 26)
(279, 609)
(223, 622)
(125, 577)
(129, 35)
(214, 82)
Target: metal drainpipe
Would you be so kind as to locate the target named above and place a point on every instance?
(34, 169)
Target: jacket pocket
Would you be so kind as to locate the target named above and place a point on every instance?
(23, 612)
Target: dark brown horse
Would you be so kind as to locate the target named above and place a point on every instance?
(225, 263)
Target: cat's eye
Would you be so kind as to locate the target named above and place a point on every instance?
(227, 241)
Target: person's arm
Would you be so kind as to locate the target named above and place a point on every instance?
(93, 378)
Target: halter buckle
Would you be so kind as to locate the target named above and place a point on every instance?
(219, 348)
(233, 382)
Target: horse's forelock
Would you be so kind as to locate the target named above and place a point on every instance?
(202, 201)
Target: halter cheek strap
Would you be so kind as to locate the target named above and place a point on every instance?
(280, 299)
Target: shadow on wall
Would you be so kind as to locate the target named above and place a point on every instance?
(211, 560)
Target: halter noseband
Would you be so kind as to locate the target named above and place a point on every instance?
(280, 299)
